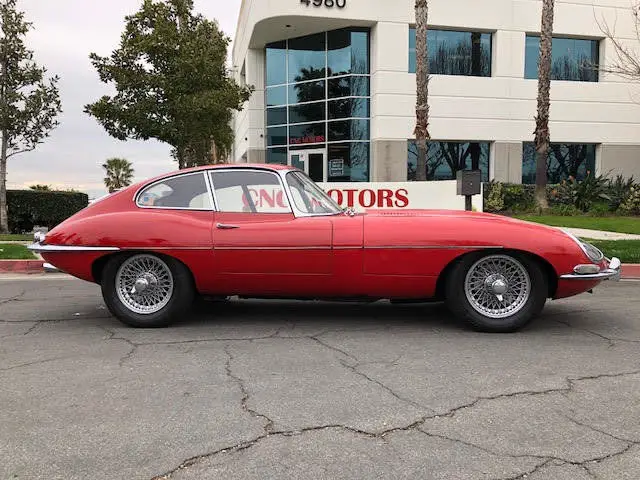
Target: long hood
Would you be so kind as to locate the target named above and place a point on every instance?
(453, 227)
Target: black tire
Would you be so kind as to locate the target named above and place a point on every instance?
(178, 304)
(458, 303)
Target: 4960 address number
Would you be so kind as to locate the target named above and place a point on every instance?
(326, 3)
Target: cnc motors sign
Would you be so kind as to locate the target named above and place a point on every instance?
(363, 196)
(325, 3)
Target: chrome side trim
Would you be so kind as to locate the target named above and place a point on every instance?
(35, 247)
(613, 272)
(328, 247)
(434, 247)
(386, 247)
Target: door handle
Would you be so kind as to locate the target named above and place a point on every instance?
(225, 226)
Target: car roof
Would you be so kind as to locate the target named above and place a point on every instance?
(238, 166)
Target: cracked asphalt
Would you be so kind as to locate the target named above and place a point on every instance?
(297, 390)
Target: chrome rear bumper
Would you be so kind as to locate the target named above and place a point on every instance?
(612, 272)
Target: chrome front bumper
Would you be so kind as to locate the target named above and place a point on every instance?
(612, 272)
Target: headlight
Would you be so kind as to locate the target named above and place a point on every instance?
(593, 253)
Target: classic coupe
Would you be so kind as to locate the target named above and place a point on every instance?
(270, 232)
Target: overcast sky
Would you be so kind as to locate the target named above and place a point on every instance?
(64, 33)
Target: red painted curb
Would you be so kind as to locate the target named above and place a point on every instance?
(631, 270)
(21, 266)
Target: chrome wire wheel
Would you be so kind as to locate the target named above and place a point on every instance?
(144, 284)
(497, 286)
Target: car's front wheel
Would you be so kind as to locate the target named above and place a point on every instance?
(497, 292)
(147, 290)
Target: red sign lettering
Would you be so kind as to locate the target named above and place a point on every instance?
(367, 198)
(309, 139)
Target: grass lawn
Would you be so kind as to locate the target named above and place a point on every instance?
(15, 252)
(628, 251)
(608, 224)
(16, 238)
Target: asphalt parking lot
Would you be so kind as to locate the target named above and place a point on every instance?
(275, 390)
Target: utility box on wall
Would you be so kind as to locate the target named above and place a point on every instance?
(469, 182)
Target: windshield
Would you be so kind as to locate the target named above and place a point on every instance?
(309, 197)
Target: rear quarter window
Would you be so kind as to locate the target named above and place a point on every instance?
(188, 192)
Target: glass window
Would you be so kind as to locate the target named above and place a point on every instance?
(348, 162)
(326, 88)
(347, 52)
(276, 96)
(247, 191)
(356, 86)
(339, 52)
(356, 129)
(454, 52)
(276, 136)
(572, 59)
(565, 160)
(309, 197)
(277, 116)
(348, 108)
(307, 58)
(276, 63)
(445, 159)
(277, 155)
(306, 92)
(307, 133)
(184, 191)
(307, 112)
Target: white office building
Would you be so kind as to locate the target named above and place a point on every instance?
(335, 89)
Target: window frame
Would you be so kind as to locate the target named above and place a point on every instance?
(492, 46)
(148, 186)
(490, 156)
(585, 144)
(598, 43)
(285, 191)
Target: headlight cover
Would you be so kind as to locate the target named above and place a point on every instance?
(593, 253)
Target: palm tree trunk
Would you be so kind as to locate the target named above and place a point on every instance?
(4, 216)
(422, 84)
(542, 135)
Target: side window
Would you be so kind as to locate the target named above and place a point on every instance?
(249, 191)
(184, 191)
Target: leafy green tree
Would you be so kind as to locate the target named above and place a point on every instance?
(29, 104)
(171, 81)
(119, 174)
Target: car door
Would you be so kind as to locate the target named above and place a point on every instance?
(260, 247)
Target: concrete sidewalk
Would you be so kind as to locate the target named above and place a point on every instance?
(599, 234)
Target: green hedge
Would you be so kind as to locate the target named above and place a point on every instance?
(30, 208)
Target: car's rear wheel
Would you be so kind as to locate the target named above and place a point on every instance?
(147, 290)
(497, 292)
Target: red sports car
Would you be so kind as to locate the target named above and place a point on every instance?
(268, 231)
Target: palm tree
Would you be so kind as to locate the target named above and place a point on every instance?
(119, 174)
(542, 136)
(422, 84)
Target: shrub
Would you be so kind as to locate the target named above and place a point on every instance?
(582, 195)
(563, 210)
(28, 208)
(619, 189)
(495, 197)
(631, 204)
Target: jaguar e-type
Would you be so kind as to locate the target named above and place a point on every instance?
(270, 232)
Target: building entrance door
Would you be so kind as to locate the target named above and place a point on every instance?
(312, 162)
